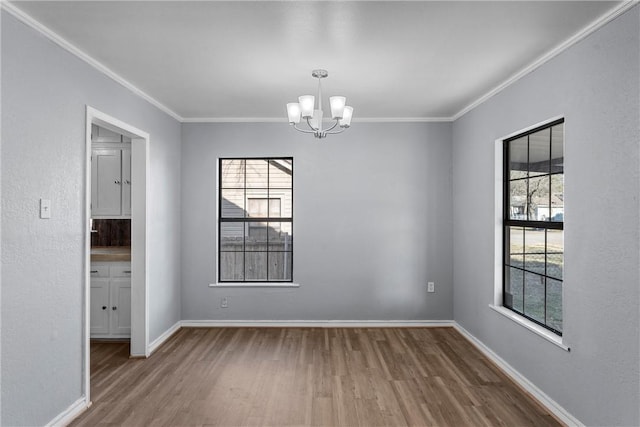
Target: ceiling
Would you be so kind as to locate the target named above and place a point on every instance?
(244, 60)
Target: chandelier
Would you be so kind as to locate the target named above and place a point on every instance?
(305, 109)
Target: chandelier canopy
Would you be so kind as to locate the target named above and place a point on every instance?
(306, 109)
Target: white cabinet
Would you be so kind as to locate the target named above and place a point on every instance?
(99, 306)
(111, 182)
(110, 300)
(126, 182)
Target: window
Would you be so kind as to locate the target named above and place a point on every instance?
(255, 220)
(533, 225)
(257, 208)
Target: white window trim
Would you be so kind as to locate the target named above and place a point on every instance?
(254, 285)
(533, 327)
(498, 247)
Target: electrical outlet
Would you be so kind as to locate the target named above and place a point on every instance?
(431, 287)
(224, 302)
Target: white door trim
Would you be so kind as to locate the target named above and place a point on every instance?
(139, 221)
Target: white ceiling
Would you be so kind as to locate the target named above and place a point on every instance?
(243, 60)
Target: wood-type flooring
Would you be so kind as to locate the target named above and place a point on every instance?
(306, 377)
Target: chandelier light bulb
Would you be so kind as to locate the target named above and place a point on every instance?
(307, 102)
(293, 111)
(337, 106)
(345, 122)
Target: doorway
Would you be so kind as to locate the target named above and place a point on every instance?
(139, 344)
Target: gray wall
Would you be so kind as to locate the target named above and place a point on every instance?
(594, 85)
(44, 93)
(372, 222)
(383, 195)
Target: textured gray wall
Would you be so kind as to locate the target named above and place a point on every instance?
(399, 206)
(594, 85)
(372, 222)
(44, 93)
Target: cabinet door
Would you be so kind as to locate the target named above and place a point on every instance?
(99, 307)
(126, 182)
(120, 307)
(106, 182)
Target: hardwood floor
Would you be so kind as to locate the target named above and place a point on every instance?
(306, 377)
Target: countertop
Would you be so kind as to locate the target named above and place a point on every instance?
(110, 253)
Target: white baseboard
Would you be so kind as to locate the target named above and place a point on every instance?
(516, 376)
(317, 323)
(153, 346)
(68, 415)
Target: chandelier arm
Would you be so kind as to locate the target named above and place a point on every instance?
(303, 130)
(309, 123)
(336, 132)
(334, 125)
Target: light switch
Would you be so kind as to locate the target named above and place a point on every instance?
(45, 208)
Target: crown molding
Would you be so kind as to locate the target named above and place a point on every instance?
(284, 120)
(234, 120)
(589, 29)
(60, 41)
(69, 47)
(63, 43)
(401, 119)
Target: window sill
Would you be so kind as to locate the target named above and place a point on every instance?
(254, 285)
(536, 329)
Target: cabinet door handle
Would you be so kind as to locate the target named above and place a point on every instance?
(127, 272)
(94, 271)
(104, 307)
(126, 181)
(117, 181)
(114, 308)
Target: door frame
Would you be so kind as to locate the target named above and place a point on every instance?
(139, 220)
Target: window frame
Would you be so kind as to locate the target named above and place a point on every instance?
(508, 222)
(246, 220)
